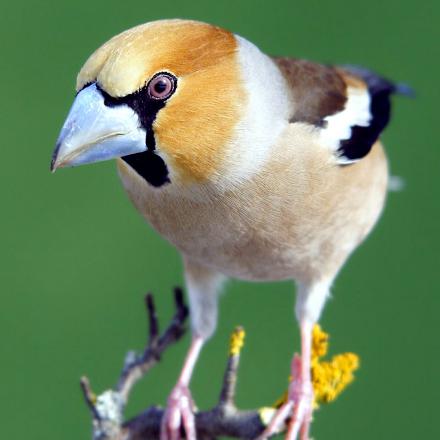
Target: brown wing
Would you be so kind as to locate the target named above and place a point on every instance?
(350, 105)
(318, 91)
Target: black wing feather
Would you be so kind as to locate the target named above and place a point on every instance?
(380, 89)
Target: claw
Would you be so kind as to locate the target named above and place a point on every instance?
(180, 409)
(298, 408)
(179, 414)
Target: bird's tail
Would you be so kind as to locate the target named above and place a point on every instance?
(378, 84)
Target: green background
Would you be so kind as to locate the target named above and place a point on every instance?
(76, 258)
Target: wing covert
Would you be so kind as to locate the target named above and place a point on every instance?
(349, 105)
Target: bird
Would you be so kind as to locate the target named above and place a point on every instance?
(252, 166)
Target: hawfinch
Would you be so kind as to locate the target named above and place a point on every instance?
(253, 167)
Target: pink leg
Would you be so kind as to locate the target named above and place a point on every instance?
(180, 408)
(299, 405)
(301, 390)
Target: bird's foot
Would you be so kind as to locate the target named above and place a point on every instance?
(179, 414)
(297, 411)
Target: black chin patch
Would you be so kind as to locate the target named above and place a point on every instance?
(150, 166)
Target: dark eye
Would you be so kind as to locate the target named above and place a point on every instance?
(161, 86)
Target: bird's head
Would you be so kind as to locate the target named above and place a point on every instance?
(178, 101)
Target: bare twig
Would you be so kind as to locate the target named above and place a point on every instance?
(152, 320)
(89, 397)
(137, 366)
(227, 394)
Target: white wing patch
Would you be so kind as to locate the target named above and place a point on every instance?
(338, 127)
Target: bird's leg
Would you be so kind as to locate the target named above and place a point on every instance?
(299, 404)
(203, 289)
(310, 300)
(301, 390)
(180, 408)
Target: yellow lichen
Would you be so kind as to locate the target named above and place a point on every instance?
(280, 401)
(237, 341)
(266, 414)
(93, 398)
(329, 378)
(319, 343)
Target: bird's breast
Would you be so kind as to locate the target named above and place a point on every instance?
(291, 221)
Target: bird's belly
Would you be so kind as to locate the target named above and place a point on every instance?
(235, 251)
(241, 254)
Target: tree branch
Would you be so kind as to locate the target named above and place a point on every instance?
(225, 419)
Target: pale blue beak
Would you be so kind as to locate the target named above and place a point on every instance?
(94, 132)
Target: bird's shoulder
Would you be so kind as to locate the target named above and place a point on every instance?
(349, 105)
(317, 90)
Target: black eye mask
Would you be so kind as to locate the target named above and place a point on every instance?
(147, 164)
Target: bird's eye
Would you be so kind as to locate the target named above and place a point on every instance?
(161, 86)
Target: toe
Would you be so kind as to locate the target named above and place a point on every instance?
(278, 421)
(189, 423)
(179, 412)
